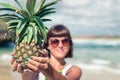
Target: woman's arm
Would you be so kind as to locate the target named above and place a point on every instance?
(41, 64)
(73, 74)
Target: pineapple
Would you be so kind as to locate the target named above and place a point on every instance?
(26, 23)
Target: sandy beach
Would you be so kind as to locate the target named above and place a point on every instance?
(99, 75)
(7, 74)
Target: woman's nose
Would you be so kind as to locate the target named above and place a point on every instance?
(60, 44)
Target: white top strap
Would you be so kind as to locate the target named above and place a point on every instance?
(66, 68)
(41, 76)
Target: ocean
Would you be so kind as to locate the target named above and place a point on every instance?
(93, 54)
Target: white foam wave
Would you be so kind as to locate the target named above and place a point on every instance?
(101, 62)
(96, 67)
(92, 66)
(119, 65)
(117, 71)
(113, 42)
(4, 57)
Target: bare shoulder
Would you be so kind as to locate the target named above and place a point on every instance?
(76, 69)
(75, 72)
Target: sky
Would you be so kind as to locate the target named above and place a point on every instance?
(88, 17)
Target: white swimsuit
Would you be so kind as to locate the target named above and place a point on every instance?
(64, 71)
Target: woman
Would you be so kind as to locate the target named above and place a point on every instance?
(53, 65)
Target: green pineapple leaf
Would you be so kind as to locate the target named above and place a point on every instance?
(44, 7)
(7, 5)
(44, 12)
(30, 5)
(49, 4)
(19, 4)
(7, 9)
(30, 34)
(41, 27)
(10, 16)
(25, 14)
(11, 28)
(39, 9)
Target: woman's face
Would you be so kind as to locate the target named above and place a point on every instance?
(59, 46)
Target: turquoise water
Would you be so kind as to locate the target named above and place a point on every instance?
(99, 49)
(6, 48)
(91, 54)
(106, 53)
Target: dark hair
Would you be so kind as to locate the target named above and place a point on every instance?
(60, 31)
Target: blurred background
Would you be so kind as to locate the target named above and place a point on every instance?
(95, 29)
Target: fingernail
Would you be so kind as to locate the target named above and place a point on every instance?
(26, 62)
(16, 61)
(26, 59)
(30, 57)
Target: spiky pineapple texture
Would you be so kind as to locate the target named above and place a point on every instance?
(27, 25)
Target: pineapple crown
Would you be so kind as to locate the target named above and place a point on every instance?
(27, 22)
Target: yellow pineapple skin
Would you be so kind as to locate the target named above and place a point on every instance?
(24, 50)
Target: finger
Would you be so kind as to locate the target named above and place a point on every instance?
(13, 57)
(40, 59)
(14, 65)
(38, 64)
(13, 53)
(12, 60)
(33, 67)
(32, 62)
(43, 66)
(44, 52)
(19, 68)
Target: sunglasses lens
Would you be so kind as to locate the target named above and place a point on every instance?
(65, 42)
(54, 42)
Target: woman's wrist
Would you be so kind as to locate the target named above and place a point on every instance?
(29, 76)
(49, 72)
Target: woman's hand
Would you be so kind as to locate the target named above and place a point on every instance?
(26, 74)
(38, 64)
(16, 66)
